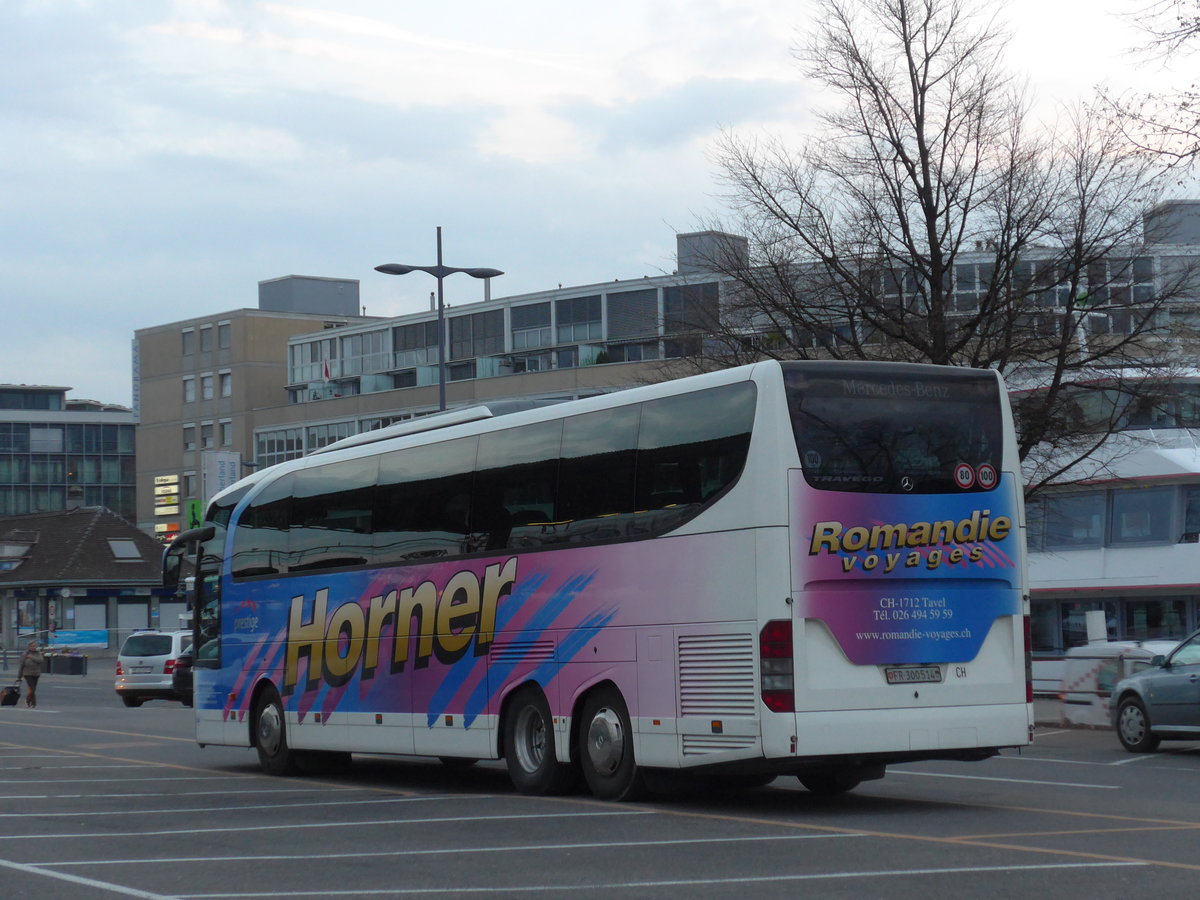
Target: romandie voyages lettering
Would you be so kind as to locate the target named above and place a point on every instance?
(922, 540)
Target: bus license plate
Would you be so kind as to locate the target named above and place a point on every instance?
(913, 674)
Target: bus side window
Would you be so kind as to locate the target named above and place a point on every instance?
(260, 540)
(423, 502)
(690, 448)
(596, 475)
(331, 516)
(515, 483)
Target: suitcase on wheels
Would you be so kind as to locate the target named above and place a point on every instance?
(10, 695)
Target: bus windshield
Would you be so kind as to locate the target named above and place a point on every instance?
(896, 429)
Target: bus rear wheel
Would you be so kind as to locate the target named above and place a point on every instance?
(270, 735)
(529, 749)
(830, 784)
(606, 747)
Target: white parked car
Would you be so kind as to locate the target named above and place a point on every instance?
(146, 666)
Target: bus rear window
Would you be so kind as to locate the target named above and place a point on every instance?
(890, 428)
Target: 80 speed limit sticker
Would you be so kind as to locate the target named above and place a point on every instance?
(964, 476)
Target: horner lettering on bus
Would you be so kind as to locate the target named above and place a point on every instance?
(447, 623)
(834, 537)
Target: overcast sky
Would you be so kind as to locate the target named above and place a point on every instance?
(159, 158)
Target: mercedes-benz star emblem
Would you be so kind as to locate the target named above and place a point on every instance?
(907, 483)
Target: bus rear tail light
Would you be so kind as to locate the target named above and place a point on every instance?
(777, 685)
(1028, 661)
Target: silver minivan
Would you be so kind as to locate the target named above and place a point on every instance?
(146, 666)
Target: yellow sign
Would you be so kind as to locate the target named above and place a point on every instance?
(166, 479)
(167, 510)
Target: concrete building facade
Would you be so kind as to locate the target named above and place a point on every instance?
(58, 454)
(198, 383)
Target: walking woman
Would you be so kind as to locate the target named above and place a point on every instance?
(31, 670)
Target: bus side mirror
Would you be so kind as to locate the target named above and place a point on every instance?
(173, 566)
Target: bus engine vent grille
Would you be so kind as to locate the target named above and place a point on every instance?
(716, 675)
(522, 651)
(701, 744)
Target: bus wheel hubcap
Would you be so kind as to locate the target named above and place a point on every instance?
(270, 727)
(606, 741)
(531, 739)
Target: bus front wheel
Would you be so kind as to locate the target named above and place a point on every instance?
(606, 747)
(529, 750)
(270, 735)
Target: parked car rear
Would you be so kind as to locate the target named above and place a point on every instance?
(181, 677)
(146, 666)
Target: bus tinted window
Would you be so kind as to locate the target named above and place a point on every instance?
(884, 430)
(691, 447)
(260, 540)
(423, 502)
(515, 484)
(596, 475)
(617, 474)
(330, 516)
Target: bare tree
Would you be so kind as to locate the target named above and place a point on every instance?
(1166, 122)
(927, 220)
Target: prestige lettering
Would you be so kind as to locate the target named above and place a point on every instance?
(338, 643)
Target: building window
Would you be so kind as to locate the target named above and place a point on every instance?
(225, 426)
(206, 387)
(480, 334)
(278, 446)
(206, 435)
(189, 437)
(189, 484)
(1074, 521)
(691, 307)
(189, 390)
(224, 334)
(531, 326)
(416, 345)
(206, 339)
(323, 435)
(1141, 516)
(578, 319)
(189, 342)
(226, 384)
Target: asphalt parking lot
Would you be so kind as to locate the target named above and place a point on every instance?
(100, 800)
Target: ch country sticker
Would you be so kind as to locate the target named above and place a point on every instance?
(445, 624)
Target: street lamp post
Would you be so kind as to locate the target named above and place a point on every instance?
(439, 272)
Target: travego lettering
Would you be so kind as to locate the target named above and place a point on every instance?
(445, 625)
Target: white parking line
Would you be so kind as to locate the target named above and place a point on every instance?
(1101, 787)
(513, 890)
(284, 826)
(456, 851)
(86, 882)
(105, 813)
